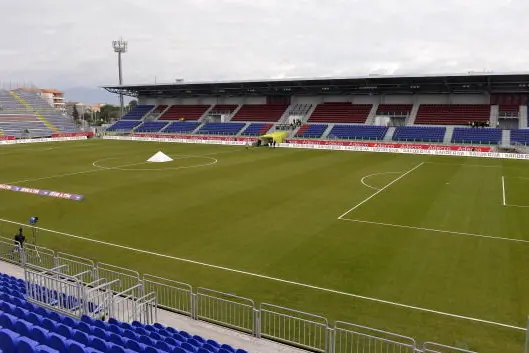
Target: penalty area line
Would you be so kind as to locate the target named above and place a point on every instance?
(380, 190)
(275, 279)
(436, 230)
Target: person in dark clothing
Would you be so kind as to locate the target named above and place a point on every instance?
(20, 238)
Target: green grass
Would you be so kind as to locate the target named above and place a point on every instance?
(274, 212)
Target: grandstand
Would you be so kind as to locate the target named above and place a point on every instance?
(416, 108)
(24, 113)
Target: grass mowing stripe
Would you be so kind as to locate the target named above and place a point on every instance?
(274, 278)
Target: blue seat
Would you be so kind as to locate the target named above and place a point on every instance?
(311, 130)
(221, 128)
(189, 347)
(419, 133)
(8, 341)
(38, 334)
(45, 349)
(228, 348)
(22, 328)
(358, 132)
(26, 345)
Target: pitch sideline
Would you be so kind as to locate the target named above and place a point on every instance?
(251, 274)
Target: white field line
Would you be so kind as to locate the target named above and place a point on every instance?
(380, 190)
(437, 230)
(333, 291)
(99, 168)
(503, 188)
(370, 175)
(519, 206)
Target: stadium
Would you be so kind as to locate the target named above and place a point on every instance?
(361, 214)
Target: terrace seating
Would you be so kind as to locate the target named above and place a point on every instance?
(260, 112)
(477, 135)
(37, 105)
(181, 127)
(221, 128)
(28, 328)
(455, 114)
(358, 132)
(257, 129)
(394, 109)
(311, 130)
(138, 112)
(419, 133)
(509, 110)
(15, 125)
(185, 112)
(151, 126)
(520, 136)
(124, 125)
(340, 112)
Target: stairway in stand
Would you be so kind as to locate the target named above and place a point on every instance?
(30, 108)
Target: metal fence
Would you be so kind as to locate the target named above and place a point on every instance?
(10, 251)
(76, 286)
(294, 327)
(171, 295)
(355, 338)
(225, 309)
(125, 278)
(81, 268)
(52, 289)
(431, 347)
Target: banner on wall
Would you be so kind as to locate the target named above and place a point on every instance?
(385, 147)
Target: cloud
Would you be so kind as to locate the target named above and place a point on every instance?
(67, 43)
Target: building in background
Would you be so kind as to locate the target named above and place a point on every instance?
(54, 97)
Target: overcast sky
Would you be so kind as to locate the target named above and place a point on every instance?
(67, 43)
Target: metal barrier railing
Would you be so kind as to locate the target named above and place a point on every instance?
(171, 295)
(52, 289)
(10, 251)
(76, 286)
(124, 306)
(355, 338)
(39, 256)
(225, 309)
(294, 327)
(431, 347)
(83, 269)
(126, 278)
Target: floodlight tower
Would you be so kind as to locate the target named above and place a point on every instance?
(120, 47)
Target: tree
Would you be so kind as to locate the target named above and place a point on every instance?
(75, 113)
(132, 104)
(109, 113)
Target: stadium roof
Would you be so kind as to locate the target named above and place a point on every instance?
(373, 84)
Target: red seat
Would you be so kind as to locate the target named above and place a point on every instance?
(224, 108)
(186, 112)
(260, 112)
(340, 112)
(452, 114)
(394, 109)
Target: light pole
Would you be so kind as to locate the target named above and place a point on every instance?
(120, 47)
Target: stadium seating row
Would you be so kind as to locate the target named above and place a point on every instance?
(329, 112)
(342, 131)
(28, 328)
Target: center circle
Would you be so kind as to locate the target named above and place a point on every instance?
(206, 161)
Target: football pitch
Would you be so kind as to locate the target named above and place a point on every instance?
(432, 247)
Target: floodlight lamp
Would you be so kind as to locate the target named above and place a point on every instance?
(120, 46)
